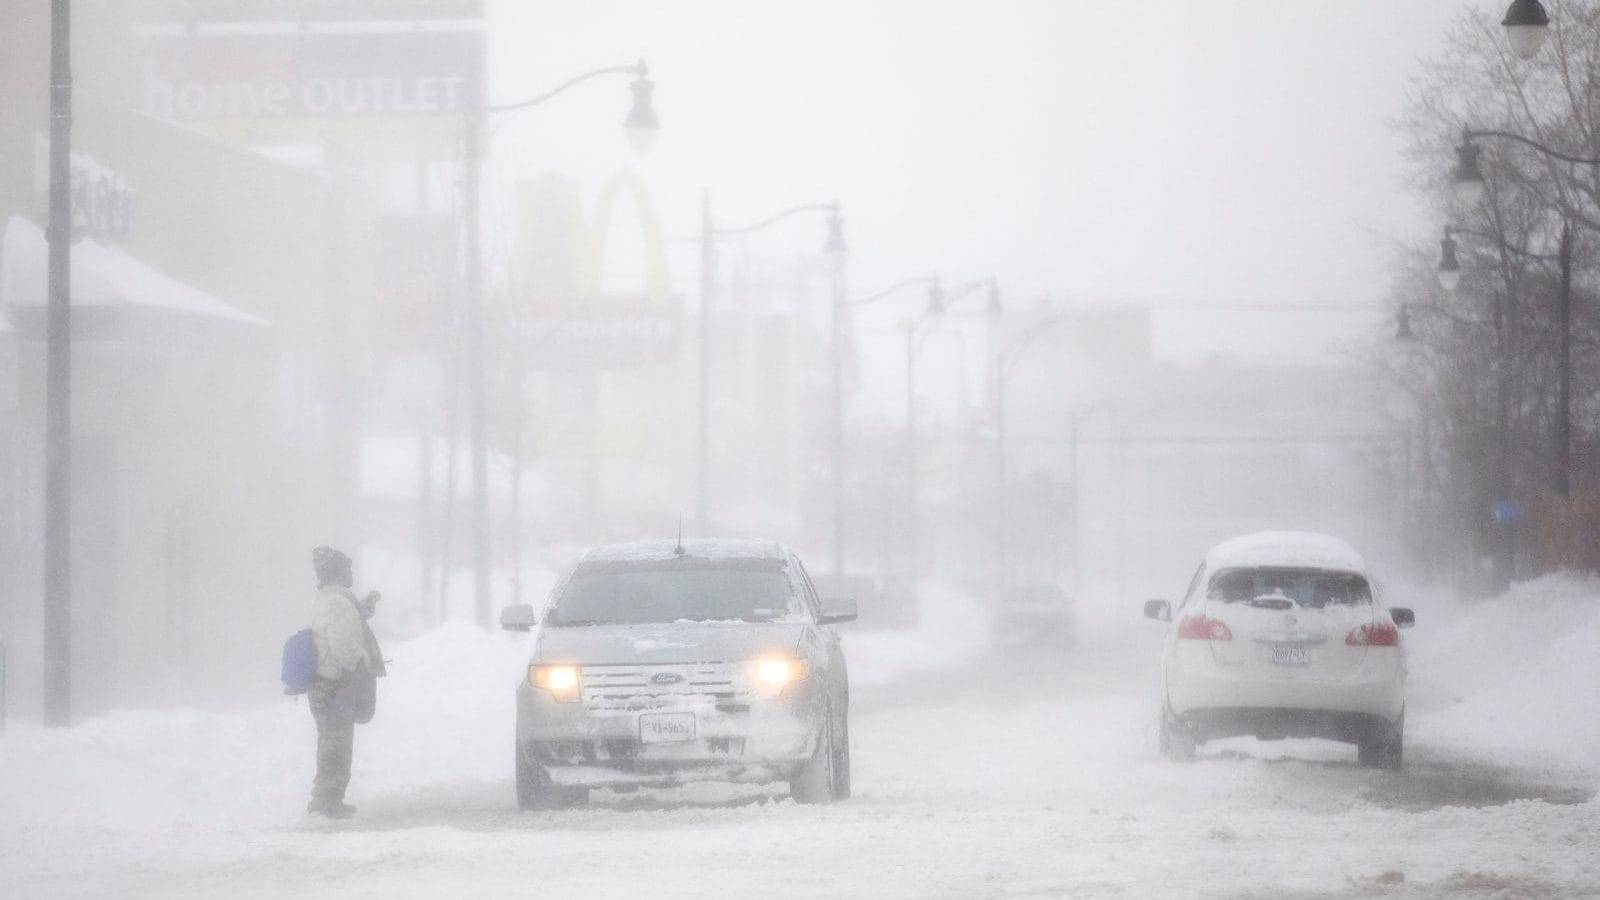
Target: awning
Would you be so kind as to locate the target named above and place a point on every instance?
(102, 276)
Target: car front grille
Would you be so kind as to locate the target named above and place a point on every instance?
(652, 685)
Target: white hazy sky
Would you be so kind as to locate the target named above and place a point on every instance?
(1174, 151)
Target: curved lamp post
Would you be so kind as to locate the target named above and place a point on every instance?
(917, 331)
(1004, 361)
(836, 251)
(641, 124)
(1527, 27)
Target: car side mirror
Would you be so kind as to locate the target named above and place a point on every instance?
(1403, 617)
(1160, 610)
(838, 609)
(518, 618)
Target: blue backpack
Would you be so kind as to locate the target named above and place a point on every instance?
(299, 662)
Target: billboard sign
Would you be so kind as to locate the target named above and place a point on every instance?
(188, 78)
(614, 333)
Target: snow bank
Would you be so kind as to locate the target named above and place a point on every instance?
(446, 716)
(1517, 675)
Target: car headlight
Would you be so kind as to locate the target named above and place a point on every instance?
(562, 682)
(774, 673)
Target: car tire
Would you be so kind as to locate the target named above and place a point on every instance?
(839, 786)
(814, 781)
(535, 790)
(1387, 750)
(1177, 741)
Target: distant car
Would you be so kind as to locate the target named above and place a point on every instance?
(1034, 615)
(1283, 634)
(658, 664)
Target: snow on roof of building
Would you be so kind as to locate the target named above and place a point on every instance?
(697, 548)
(101, 276)
(1298, 549)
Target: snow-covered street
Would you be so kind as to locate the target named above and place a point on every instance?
(1014, 775)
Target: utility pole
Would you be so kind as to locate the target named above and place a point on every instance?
(837, 354)
(477, 378)
(58, 384)
(1000, 482)
(708, 278)
(912, 523)
(1077, 512)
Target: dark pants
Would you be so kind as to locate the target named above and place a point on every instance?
(336, 733)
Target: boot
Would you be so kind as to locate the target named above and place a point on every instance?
(333, 809)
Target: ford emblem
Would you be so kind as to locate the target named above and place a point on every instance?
(665, 678)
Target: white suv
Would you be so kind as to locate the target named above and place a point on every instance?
(1283, 634)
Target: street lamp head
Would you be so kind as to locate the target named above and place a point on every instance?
(1449, 266)
(1466, 179)
(836, 248)
(935, 299)
(642, 123)
(1403, 330)
(1527, 27)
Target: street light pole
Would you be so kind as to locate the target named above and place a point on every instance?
(708, 262)
(477, 377)
(642, 124)
(58, 384)
(836, 354)
(936, 306)
(1004, 359)
(1564, 366)
(939, 300)
(1000, 540)
(1078, 415)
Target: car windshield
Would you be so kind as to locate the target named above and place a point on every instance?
(1281, 588)
(671, 592)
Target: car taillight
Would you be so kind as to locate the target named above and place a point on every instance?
(1377, 634)
(1201, 627)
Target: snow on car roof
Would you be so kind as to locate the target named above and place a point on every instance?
(1300, 549)
(696, 548)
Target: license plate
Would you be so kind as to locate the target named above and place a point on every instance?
(666, 728)
(1286, 655)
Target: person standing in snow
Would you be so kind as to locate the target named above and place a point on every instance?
(348, 666)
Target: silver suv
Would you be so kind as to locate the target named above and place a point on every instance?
(658, 664)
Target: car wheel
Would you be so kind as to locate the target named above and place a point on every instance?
(1177, 741)
(1387, 750)
(840, 786)
(535, 790)
(814, 781)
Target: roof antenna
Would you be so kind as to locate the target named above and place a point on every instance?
(678, 550)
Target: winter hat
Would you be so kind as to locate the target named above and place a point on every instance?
(333, 567)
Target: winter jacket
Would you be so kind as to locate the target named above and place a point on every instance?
(339, 628)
